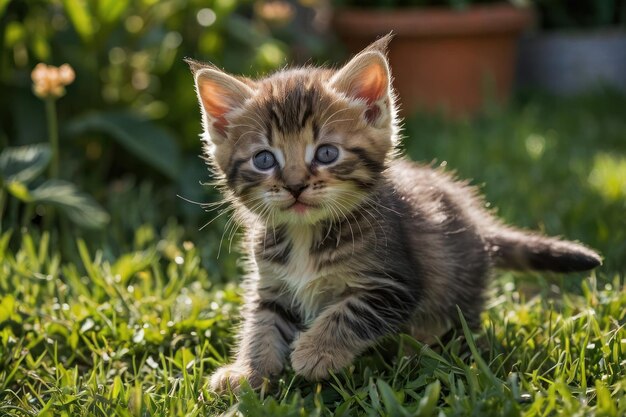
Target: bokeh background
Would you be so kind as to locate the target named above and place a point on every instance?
(550, 155)
(104, 231)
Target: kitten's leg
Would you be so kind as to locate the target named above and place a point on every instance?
(265, 336)
(428, 330)
(347, 328)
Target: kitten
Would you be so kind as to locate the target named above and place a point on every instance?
(347, 241)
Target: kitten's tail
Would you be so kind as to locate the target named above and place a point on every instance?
(517, 249)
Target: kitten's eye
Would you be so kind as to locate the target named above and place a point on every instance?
(264, 160)
(326, 154)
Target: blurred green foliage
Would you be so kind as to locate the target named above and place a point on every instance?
(129, 54)
(131, 116)
(22, 165)
(552, 164)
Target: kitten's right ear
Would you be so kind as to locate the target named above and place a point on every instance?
(367, 78)
(219, 94)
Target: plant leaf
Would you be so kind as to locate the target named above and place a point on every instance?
(480, 362)
(428, 403)
(80, 207)
(129, 264)
(138, 135)
(79, 14)
(3, 6)
(19, 191)
(110, 10)
(392, 406)
(24, 163)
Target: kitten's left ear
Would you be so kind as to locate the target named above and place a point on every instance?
(219, 95)
(367, 78)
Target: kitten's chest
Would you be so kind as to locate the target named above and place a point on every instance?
(297, 273)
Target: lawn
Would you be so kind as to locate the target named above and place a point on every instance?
(135, 324)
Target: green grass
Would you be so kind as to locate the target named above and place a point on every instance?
(135, 327)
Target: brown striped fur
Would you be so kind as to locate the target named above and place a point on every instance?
(379, 244)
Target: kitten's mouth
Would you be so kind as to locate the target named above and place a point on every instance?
(299, 207)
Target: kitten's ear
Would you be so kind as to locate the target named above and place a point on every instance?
(219, 95)
(366, 77)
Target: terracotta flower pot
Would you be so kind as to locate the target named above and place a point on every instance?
(443, 58)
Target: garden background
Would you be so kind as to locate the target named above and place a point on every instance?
(118, 291)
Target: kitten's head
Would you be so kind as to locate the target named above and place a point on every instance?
(301, 145)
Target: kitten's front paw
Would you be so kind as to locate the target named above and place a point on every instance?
(314, 362)
(231, 376)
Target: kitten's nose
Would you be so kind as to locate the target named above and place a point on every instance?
(295, 189)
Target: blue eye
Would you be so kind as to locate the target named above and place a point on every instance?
(326, 154)
(264, 160)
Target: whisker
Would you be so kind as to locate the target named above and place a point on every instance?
(215, 205)
(336, 121)
(219, 250)
(331, 116)
(190, 201)
(339, 208)
(232, 225)
(256, 121)
(245, 134)
(328, 108)
(333, 213)
(342, 205)
(340, 199)
(216, 217)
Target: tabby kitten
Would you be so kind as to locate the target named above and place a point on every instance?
(347, 242)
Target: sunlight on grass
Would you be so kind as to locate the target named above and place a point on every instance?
(608, 177)
(109, 342)
(535, 145)
(134, 325)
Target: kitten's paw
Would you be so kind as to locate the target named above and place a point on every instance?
(231, 376)
(314, 362)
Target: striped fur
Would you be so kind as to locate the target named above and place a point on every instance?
(371, 244)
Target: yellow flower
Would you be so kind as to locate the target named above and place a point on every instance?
(50, 81)
(66, 74)
(275, 12)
